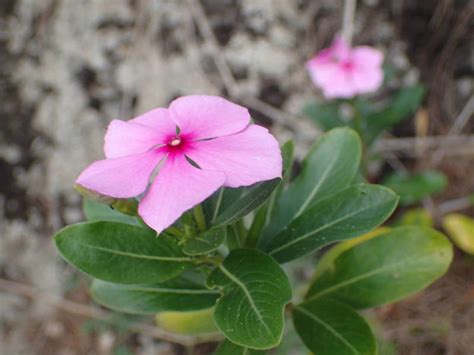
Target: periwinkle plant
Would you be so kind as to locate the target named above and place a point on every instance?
(220, 217)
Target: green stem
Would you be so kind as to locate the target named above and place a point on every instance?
(241, 231)
(200, 218)
(215, 260)
(233, 239)
(256, 228)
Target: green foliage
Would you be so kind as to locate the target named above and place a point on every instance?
(179, 294)
(218, 271)
(95, 211)
(189, 323)
(416, 217)
(328, 327)
(255, 291)
(385, 268)
(325, 114)
(347, 214)
(404, 103)
(206, 242)
(121, 253)
(414, 187)
(250, 200)
(329, 167)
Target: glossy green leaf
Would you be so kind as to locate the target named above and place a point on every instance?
(206, 242)
(121, 253)
(179, 294)
(327, 260)
(347, 214)
(233, 239)
(263, 215)
(328, 327)
(329, 167)
(386, 268)
(229, 348)
(256, 228)
(324, 114)
(255, 291)
(414, 187)
(250, 200)
(220, 201)
(95, 211)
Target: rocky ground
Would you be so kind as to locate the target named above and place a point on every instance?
(68, 67)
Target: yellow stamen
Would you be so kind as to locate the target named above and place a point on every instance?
(175, 142)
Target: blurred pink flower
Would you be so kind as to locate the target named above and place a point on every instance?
(211, 131)
(343, 72)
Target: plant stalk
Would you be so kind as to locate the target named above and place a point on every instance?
(200, 218)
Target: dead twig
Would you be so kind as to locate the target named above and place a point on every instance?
(456, 128)
(348, 20)
(453, 205)
(97, 313)
(454, 145)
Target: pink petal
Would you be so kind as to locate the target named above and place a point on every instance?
(201, 117)
(158, 119)
(122, 177)
(178, 187)
(367, 75)
(129, 138)
(333, 79)
(247, 157)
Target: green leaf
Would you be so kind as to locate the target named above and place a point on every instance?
(325, 115)
(327, 260)
(179, 294)
(347, 214)
(414, 187)
(415, 217)
(95, 211)
(206, 242)
(386, 268)
(329, 327)
(256, 228)
(329, 167)
(189, 323)
(250, 200)
(264, 214)
(255, 291)
(404, 103)
(288, 156)
(220, 201)
(233, 238)
(461, 230)
(121, 253)
(228, 348)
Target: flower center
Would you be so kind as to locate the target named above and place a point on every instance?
(175, 142)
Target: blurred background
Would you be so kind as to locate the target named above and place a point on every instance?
(68, 67)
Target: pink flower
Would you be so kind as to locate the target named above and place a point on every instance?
(211, 131)
(343, 72)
